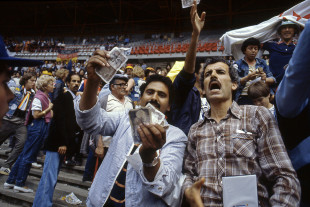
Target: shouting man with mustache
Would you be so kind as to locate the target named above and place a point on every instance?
(144, 175)
(235, 140)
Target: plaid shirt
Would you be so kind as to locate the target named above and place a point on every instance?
(219, 149)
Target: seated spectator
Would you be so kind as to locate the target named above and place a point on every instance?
(259, 93)
(251, 69)
(37, 122)
(128, 70)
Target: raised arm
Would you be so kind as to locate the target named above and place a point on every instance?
(197, 23)
(89, 97)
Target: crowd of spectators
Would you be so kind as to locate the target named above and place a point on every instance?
(224, 118)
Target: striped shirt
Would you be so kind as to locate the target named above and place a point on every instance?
(246, 142)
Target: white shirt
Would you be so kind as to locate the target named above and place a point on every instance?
(115, 105)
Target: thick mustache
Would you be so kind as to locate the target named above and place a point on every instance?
(154, 103)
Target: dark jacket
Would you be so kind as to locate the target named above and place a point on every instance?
(63, 127)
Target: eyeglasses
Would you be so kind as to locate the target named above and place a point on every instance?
(121, 84)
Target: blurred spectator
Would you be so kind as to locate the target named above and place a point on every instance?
(134, 84)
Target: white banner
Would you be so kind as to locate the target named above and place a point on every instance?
(264, 31)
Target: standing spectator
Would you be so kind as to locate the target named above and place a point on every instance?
(6, 61)
(134, 84)
(281, 51)
(153, 178)
(251, 69)
(128, 70)
(59, 141)
(37, 127)
(14, 121)
(116, 101)
(292, 103)
(235, 140)
(149, 71)
(187, 105)
(61, 76)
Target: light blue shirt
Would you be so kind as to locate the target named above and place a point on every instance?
(165, 190)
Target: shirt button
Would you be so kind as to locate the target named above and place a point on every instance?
(152, 186)
(221, 158)
(160, 188)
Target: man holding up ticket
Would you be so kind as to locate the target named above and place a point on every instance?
(143, 175)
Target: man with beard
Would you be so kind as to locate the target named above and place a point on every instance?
(150, 180)
(62, 133)
(281, 51)
(234, 141)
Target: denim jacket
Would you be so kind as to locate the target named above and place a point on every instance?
(243, 70)
(19, 93)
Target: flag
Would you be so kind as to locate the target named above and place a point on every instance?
(67, 55)
(264, 31)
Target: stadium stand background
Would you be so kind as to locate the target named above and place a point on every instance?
(155, 29)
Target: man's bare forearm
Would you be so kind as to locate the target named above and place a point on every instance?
(190, 59)
(89, 97)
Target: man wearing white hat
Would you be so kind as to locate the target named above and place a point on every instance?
(281, 51)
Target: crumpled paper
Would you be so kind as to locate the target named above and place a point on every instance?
(71, 199)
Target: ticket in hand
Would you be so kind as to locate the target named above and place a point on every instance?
(116, 61)
(188, 3)
(136, 117)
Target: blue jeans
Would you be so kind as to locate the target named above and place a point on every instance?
(45, 191)
(37, 131)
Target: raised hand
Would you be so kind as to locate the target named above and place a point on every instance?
(197, 22)
(98, 60)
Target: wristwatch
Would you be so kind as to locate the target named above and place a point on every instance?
(153, 163)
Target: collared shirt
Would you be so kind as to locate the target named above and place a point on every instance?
(139, 191)
(114, 104)
(221, 149)
(279, 55)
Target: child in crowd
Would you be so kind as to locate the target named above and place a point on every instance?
(259, 93)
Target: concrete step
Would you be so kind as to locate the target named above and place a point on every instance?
(69, 180)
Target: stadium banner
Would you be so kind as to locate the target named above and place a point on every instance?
(264, 31)
(67, 55)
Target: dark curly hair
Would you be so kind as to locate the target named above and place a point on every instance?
(250, 41)
(164, 80)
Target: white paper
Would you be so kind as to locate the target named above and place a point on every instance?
(188, 3)
(240, 191)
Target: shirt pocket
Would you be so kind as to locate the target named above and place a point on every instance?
(243, 145)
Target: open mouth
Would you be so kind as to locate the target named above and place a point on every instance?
(215, 85)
